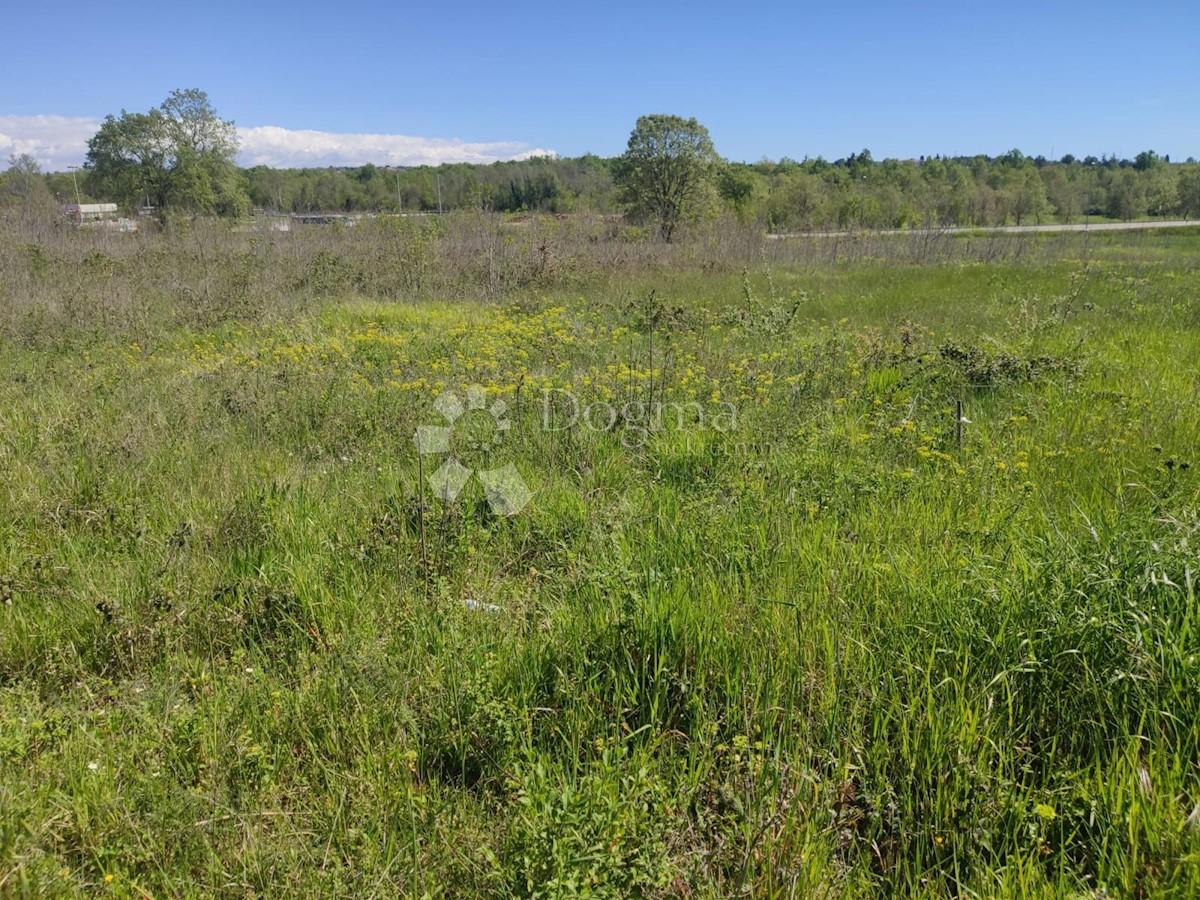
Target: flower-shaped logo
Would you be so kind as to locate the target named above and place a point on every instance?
(472, 432)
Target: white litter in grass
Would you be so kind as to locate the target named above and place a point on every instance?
(481, 607)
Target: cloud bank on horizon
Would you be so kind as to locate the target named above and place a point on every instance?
(61, 141)
(270, 145)
(54, 141)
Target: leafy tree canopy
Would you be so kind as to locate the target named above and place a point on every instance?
(179, 155)
(667, 168)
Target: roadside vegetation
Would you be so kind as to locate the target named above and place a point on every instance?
(837, 643)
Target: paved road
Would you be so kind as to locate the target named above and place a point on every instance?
(1003, 229)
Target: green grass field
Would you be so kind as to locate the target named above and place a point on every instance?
(791, 640)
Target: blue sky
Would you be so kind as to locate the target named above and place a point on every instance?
(474, 80)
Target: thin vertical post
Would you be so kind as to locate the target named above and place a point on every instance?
(421, 517)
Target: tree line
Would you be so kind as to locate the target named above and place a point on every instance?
(784, 195)
(540, 184)
(180, 157)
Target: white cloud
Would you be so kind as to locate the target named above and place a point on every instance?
(60, 141)
(273, 146)
(55, 141)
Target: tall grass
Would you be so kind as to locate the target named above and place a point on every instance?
(825, 652)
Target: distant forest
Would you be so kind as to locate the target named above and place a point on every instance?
(787, 195)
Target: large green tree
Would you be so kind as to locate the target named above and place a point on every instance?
(668, 168)
(179, 155)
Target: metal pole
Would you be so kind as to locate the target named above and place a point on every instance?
(439, 190)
